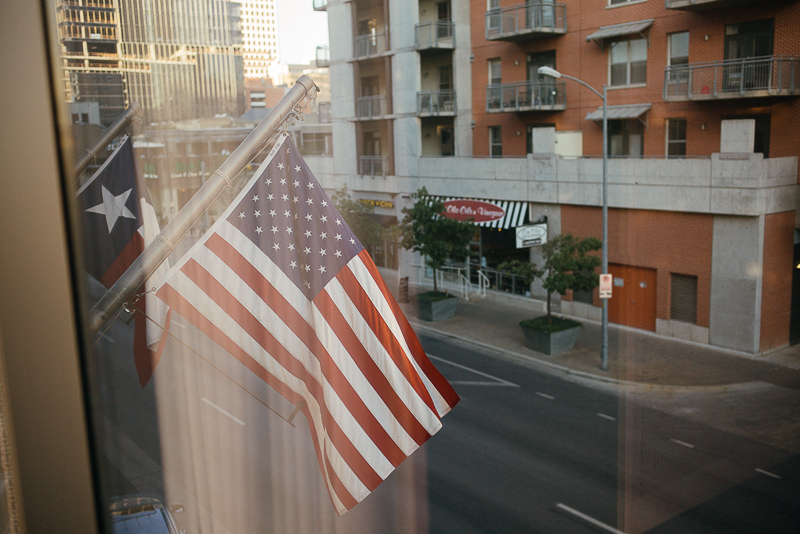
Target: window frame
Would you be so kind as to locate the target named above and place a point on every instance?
(495, 141)
(628, 63)
(668, 141)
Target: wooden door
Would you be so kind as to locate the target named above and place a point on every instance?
(633, 297)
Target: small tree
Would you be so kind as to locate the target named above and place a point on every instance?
(568, 265)
(427, 231)
(358, 217)
(524, 269)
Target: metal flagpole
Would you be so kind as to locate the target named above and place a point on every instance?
(121, 122)
(165, 242)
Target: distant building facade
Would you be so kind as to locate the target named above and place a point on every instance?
(703, 144)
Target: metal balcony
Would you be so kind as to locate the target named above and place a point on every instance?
(526, 21)
(371, 107)
(526, 96)
(436, 103)
(320, 5)
(734, 78)
(705, 5)
(437, 35)
(370, 45)
(323, 57)
(373, 165)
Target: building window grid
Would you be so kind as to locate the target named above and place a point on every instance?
(495, 141)
(676, 138)
(627, 63)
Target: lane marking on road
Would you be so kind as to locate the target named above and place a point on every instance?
(496, 381)
(224, 412)
(545, 395)
(590, 519)
(773, 475)
(679, 442)
(604, 416)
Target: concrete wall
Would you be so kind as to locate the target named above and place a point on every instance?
(736, 268)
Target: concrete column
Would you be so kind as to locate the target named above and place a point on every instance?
(736, 269)
(462, 77)
(737, 136)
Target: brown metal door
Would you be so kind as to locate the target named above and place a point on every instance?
(633, 297)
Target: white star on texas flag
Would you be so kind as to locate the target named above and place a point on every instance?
(113, 207)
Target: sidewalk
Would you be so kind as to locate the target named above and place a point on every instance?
(634, 356)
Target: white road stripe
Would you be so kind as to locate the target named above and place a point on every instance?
(604, 416)
(679, 442)
(545, 395)
(773, 475)
(589, 519)
(223, 411)
(500, 380)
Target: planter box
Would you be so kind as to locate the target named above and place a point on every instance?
(436, 310)
(551, 343)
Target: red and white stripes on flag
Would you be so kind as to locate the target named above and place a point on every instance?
(283, 285)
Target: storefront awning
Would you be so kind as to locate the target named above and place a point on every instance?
(618, 30)
(628, 111)
(505, 214)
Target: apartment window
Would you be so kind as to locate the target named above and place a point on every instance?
(625, 138)
(678, 49)
(495, 141)
(676, 138)
(628, 62)
(683, 298)
(494, 71)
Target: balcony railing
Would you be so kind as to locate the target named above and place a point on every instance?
(704, 5)
(371, 107)
(526, 21)
(370, 45)
(323, 56)
(320, 5)
(436, 35)
(436, 103)
(526, 96)
(733, 78)
(372, 165)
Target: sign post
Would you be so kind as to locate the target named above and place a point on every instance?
(605, 286)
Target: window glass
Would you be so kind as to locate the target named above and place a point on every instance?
(676, 137)
(495, 141)
(628, 62)
(494, 71)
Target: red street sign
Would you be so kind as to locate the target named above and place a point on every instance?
(477, 210)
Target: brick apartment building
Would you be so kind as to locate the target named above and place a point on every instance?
(703, 110)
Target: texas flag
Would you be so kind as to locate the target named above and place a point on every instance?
(118, 223)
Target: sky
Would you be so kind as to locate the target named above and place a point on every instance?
(300, 31)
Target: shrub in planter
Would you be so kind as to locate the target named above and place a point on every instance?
(568, 265)
(436, 305)
(439, 239)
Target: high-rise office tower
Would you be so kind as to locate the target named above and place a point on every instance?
(259, 36)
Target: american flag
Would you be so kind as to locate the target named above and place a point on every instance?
(118, 223)
(283, 285)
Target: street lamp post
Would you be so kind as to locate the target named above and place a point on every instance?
(548, 71)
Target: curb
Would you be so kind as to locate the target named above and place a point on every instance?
(556, 369)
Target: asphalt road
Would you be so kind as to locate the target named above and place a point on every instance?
(522, 452)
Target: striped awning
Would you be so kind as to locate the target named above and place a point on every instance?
(514, 212)
(617, 30)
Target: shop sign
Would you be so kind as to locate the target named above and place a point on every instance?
(476, 210)
(388, 204)
(533, 235)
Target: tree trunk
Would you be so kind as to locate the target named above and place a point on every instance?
(549, 317)
(435, 286)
